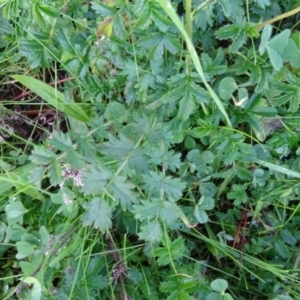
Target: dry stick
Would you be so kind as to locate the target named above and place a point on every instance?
(57, 246)
(277, 18)
(121, 268)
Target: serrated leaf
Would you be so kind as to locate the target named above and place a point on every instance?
(172, 252)
(95, 180)
(225, 7)
(151, 232)
(122, 148)
(98, 214)
(161, 21)
(227, 31)
(115, 112)
(263, 3)
(147, 210)
(243, 173)
(263, 82)
(170, 159)
(55, 173)
(122, 191)
(282, 249)
(156, 182)
(238, 41)
(40, 155)
(61, 141)
(167, 211)
(287, 237)
(102, 9)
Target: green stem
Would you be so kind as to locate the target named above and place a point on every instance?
(189, 30)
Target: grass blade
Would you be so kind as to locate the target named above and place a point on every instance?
(54, 97)
(165, 4)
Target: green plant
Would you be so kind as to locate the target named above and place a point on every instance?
(161, 152)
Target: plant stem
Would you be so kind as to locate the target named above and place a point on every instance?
(277, 18)
(188, 28)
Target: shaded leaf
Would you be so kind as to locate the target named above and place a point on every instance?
(98, 214)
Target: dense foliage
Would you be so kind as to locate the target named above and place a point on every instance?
(149, 149)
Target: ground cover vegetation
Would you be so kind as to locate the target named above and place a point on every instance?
(149, 149)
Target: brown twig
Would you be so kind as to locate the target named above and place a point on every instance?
(120, 271)
(277, 18)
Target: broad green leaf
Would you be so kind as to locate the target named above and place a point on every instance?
(289, 51)
(219, 285)
(105, 28)
(98, 214)
(280, 41)
(227, 87)
(275, 58)
(36, 290)
(201, 215)
(226, 7)
(53, 97)
(265, 36)
(15, 210)
(214, 296)
(115, 112)
(206, 202)
(44, 235)
(24, 249)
